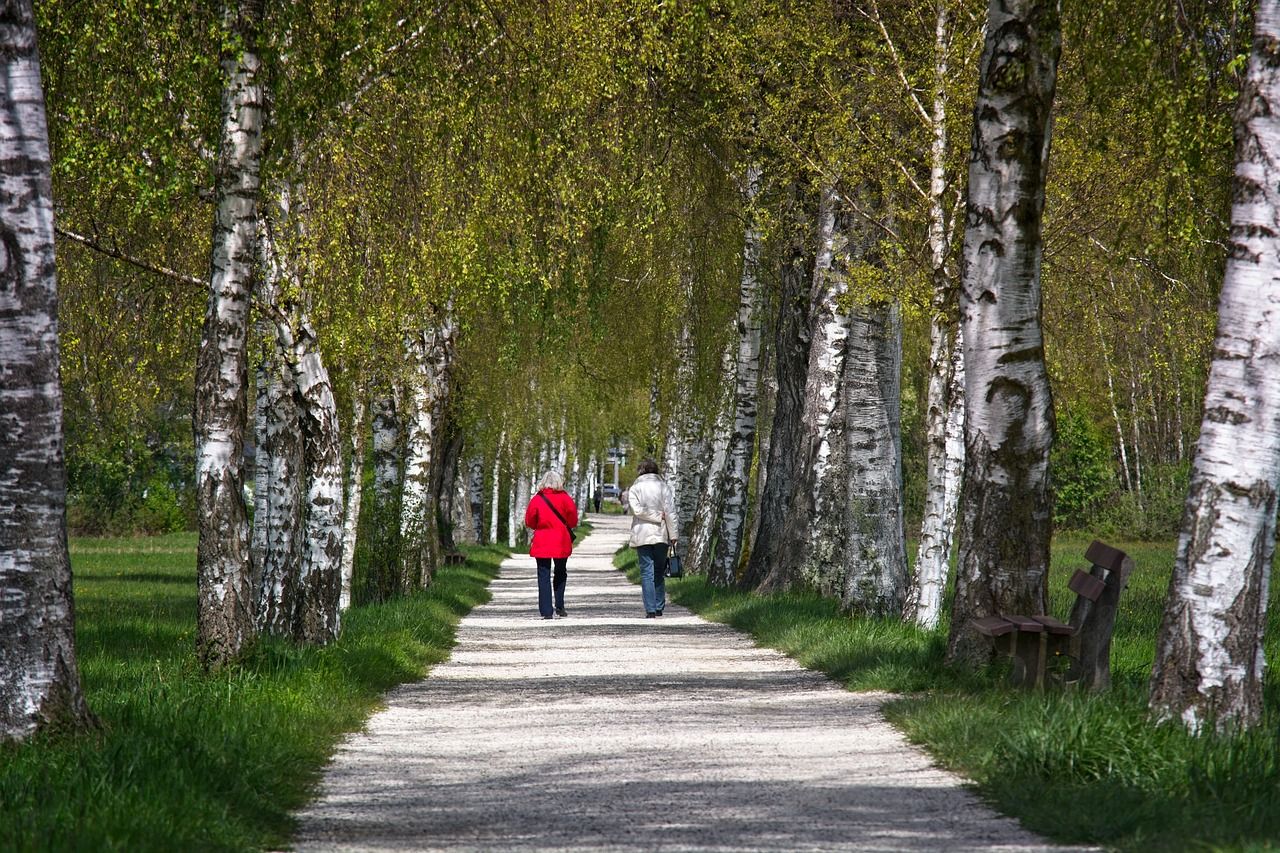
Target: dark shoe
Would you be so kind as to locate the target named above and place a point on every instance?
(658, 612)
(650, 615)
(560, 611)
(546, 617)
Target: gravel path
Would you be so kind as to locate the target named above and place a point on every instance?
(609, 731)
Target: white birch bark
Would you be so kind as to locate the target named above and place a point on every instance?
(1006, 515)
(779, 461)
(875, 559)
(383, 572)
(707, 511)
(1209, 660)
(225, 603)
(683, 451)
(514, 520)
(354, 493)
(475, 497)
(278, 483)
(944, 412)
(495, 506)
(417, 509)
(813, 541)
(317, 617)
(523, 492)
(39, 676)
(731, 522)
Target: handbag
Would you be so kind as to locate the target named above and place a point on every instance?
(547, 501)
(675, 566)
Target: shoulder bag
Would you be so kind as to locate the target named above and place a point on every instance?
(547, 501)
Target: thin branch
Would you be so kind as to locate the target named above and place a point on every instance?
(897, 63)
(113, 252)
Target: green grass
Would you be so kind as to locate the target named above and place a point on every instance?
(206, 762)
(1076, 767)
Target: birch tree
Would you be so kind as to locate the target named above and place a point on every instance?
(792, 344)
(814, 535)
(944, 407)
(39, 677)
(1209, 660)
(354, 493)
(875, 561)
(225, 617)
(732, 516)
(1006, 516)
(383, 521)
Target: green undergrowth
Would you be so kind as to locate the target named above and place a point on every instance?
(1079, 768)
(186, 760)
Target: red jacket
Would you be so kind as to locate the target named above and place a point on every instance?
(550, 536)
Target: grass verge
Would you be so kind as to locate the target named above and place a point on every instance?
(207, 762)
(1078, 768)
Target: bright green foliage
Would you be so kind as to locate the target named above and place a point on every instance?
(1079, 768)
(1083, 474)
(206, 762)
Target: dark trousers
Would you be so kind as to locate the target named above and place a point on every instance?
(545, 583)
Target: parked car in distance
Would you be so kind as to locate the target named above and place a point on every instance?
(609, 491)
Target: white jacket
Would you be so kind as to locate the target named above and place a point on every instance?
(653, 511)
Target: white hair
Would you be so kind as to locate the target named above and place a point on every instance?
(552, 480)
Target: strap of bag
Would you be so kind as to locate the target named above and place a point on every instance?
(548, 502)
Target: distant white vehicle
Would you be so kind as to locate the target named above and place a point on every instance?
(609, 491)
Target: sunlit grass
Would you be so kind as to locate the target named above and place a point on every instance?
(192, 761)
(1077, 767)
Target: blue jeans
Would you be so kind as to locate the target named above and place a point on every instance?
(653, 576)
(544, 583)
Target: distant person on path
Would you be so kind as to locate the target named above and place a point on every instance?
(624, 500)
(653, 529)
(596, 499)
(551, 516)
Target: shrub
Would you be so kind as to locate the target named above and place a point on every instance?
(1084, 479)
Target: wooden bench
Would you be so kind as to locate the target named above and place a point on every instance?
(1036, 642)
(454, 558)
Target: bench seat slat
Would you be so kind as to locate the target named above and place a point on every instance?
(993, 626)
(1026, 624)
(1054, 626)
(1086, 585)
(1104, 555)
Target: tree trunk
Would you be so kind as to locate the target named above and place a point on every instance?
(523, 492)
(812, 535)
(225, 617)
(1007, 512)
(475, 498)
(766, 399)
(278, 485)
(875, 559)
(497, 489)
(354, 492)
(732, 517)
(944, 413)
(383, 535)
(1209, 660)
(316, 616)
(792, 344)
(39, 677)
(419, 537)
(684, 445)
(445, 479)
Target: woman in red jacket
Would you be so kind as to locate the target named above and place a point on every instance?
(551, 516)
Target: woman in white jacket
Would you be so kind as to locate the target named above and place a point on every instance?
(653, 528)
